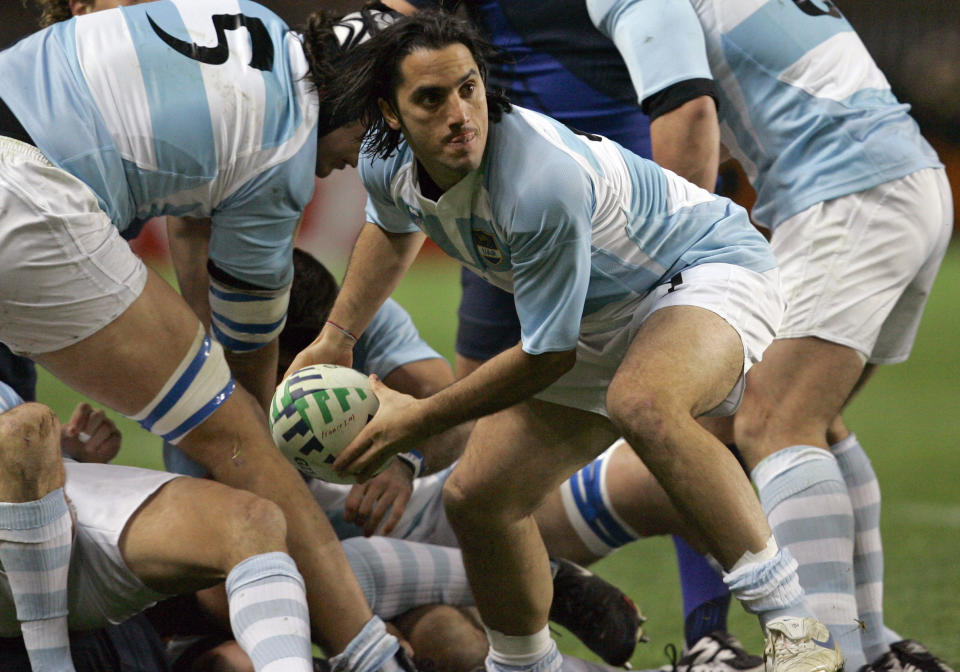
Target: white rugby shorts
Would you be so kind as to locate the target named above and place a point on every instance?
(102, 589)
(748, 301)
(65, 272)
(857, 270)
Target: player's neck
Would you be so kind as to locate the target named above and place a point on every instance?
(428, 187)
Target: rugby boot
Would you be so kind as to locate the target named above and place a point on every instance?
(800, 645)
(717, 652)
(915, 657)
(596, 612)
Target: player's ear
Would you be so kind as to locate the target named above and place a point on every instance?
(389, 114)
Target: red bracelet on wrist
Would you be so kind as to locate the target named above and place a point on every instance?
(342, 330)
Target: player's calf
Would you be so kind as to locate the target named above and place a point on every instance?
(36, 532)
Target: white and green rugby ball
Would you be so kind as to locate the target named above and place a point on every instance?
(316, 412)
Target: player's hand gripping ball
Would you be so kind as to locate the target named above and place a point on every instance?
(316, 412)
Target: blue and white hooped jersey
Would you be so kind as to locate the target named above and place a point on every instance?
(578, 228)
(802, 105)
(180, 107)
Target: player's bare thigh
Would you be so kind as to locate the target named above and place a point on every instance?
(125, 364)
(174, 545)
(515, 457)
(684, 360)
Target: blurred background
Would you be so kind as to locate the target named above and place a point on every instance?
(908, 418)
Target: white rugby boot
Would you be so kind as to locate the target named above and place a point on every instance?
(800, 645)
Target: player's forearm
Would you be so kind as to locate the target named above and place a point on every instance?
(421, 379)
(507, 379)
(377, 263)
(189, 241)
(256, 371)
(686, 140)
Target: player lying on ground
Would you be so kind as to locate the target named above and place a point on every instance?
(143, 535)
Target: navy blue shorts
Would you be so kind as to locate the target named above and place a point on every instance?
(488, 322)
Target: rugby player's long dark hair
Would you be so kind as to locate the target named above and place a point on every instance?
(373, 73)
(329, 44)
(51, 11)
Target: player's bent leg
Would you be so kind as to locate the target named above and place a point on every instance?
(173, 545)
(792, 396)
(684, 362)
(607, 504)
(538, 444)
(36, 532)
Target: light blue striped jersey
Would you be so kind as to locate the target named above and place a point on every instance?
(180, 107)
(389, 342)
(578, 228)
(8, 397)
(802, 105)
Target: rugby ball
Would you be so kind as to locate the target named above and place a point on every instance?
(316, 412)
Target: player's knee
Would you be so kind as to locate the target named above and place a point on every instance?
(255, 525)
(30, 444)
(466, 504)
(641, 415)
(757, 422)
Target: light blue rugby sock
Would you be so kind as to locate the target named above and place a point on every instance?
(864, 492)
(268, 613)
(805, 498)
(35, 544)
(372, 649)
(398, 575)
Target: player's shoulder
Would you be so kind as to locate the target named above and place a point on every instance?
(528, 148)
(378, 173)
(535, 162)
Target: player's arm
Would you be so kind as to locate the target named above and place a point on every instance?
(663, 47)
(401, 6)
(686, 140)
(189, 241)
(378, 262)
(421, 379)
(403, 422)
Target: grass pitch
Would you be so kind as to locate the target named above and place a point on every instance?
(907, 418)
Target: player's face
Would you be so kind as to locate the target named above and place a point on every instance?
(338, 149)
(441, 107)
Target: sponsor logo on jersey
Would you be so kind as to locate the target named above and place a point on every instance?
(487, 247)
